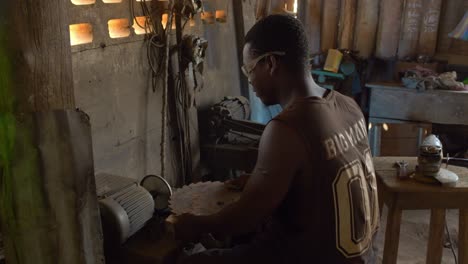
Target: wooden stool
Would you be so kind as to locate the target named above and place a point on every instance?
(408, 194)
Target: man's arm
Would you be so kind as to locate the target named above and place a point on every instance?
(281, 157)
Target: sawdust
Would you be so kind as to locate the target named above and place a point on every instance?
(203, 198)
(414, 236)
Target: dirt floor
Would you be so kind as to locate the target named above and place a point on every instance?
(414, 235)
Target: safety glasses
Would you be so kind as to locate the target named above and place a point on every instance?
(247, 69)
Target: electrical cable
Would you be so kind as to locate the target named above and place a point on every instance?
(450, 241)
(158, 56)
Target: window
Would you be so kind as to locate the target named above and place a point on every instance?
(208, 17)
(83, 2)
(141, 25)
(221, 16)
(119, 28)
(81, 34)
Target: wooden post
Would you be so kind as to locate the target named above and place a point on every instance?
(290, 5)
(277, 7)
(330, 20)
(463, 237)
(460, 46)
(429, 27)
(451, 14)
(48, 205)
(412, 16)
(262, 8)
(40, 46)
(435, 245)
(366, 27)
(392, 234)
(309, 12)
(388, 33)
(347, 22)
(238, 13)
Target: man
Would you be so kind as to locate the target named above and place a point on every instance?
(314, 179)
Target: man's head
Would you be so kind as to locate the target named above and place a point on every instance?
(276, 49)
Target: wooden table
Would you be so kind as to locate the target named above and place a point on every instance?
(392, 103)
(408, 194)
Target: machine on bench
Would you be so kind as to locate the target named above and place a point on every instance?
(231, 139)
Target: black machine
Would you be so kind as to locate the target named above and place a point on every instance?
(232, 140)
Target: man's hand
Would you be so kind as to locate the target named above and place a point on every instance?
(185, 227)
(237, 184)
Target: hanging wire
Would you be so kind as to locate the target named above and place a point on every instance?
(158, 56)
(450, 241)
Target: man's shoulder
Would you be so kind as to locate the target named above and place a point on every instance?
(344, 99)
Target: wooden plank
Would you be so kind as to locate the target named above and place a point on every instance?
(420, 200)
(384, 168)
(239, 25)
(412, 16)
(262, 9)
(454, 59)
(451, 14)
(347, 24)
(277, 7)
(407, 131)
(248, 15)
(366, 27)
(385, 197)
(463, 237)
(49, 205)
(392, 235)
(309, 13)
(429, 27)
(399, 147)
(393, 121)
(388, 33)
(41, 47)
(438, 106)
(330, 20)
(402, 66)
(290, 5)
(436, 237)
(402, 139)
(56, 216)
(281, 7)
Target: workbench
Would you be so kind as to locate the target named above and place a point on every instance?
(409, 194)
(391, 103)
(150, 245)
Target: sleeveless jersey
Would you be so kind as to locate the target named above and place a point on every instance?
(331, 212)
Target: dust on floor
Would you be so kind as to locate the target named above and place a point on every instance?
(414, 236)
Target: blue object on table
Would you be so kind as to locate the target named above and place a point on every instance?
(322, 73)
(347, 68)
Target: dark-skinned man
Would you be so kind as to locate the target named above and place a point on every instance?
(314, 181)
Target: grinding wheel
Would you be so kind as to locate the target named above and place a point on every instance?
(159, 188)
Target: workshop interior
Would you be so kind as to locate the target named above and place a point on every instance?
(116, 115)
